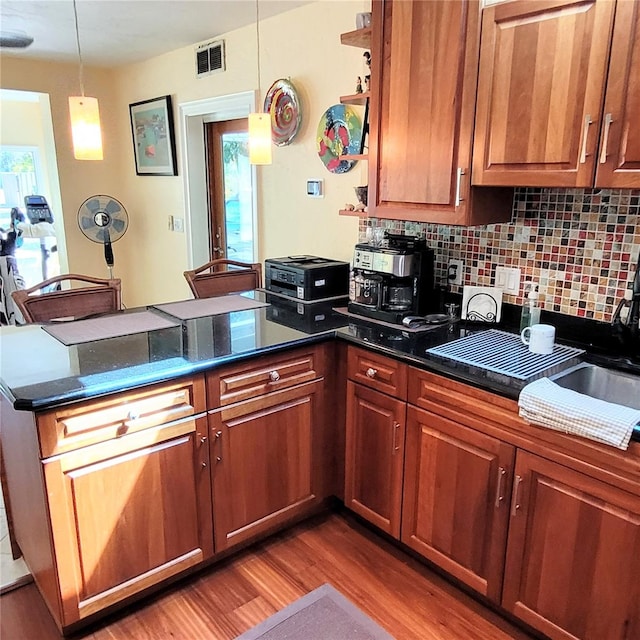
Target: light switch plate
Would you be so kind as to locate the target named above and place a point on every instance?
(508, 279)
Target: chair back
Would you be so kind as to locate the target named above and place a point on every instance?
(221, 276)
(103, 296)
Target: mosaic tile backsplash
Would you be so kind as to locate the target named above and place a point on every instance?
(579, 245)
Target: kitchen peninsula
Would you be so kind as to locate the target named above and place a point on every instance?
(201, 437)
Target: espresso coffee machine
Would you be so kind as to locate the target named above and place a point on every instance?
(393, 280)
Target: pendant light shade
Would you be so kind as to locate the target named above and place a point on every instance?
(259, 138)
(84, 115)
(85, 128)
(260, 122)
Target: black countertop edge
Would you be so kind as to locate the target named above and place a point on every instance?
(130, 383)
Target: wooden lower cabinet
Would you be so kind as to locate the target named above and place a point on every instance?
(128, 513)
(455, 509)
(573, 555)
(374, 456)
(264, 471)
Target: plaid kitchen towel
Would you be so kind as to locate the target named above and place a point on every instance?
(546, 404)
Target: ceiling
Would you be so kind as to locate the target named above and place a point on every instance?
(119, 32)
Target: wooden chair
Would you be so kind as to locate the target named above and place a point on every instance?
(221, 276)
(79, 302)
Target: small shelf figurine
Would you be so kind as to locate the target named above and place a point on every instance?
(359, 85)
(367, 60)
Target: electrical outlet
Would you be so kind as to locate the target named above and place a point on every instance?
(178, 225)
(455, 271)
(508, 279)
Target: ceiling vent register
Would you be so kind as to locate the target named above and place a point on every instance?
(210, 58)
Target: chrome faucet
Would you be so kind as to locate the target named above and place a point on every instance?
(632, 301)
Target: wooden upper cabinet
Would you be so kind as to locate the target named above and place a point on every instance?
(424, 71)
(573, 554)
(618, 162)
(543, 68)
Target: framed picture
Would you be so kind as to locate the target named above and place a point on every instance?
(154, 144)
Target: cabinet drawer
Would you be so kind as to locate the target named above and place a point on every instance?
(263, 375)
(377, 372)
(96, 421)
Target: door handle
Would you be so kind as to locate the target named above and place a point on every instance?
(499, 495)
(608, 119)
(396, 430)
(515, 498)
(585, 135)
(459, 175)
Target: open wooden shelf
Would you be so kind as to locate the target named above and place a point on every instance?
(354, 213)
(356, 98)
(358, 38)
(355, 156)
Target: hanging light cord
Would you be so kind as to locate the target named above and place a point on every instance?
(75, 13)
(258, 47)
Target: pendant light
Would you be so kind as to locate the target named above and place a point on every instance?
(85, 116)
(260, 122)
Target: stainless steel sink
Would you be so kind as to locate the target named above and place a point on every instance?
(602, 383)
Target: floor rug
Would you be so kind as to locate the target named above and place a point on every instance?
(323, 614)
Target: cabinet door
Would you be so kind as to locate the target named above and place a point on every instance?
(374, 456)
(265, 469)
(455, 507)
(540, 91)
(128, 513)
(573, 556)
(424, 71)
(619, 157)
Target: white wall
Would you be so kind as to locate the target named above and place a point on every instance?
(303, 45)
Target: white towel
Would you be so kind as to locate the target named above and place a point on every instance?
(546, 404)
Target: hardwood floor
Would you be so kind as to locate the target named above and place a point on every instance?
(398, 592)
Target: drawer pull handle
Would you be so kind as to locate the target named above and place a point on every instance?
(371, 372)
(515, 498)
(203, 439)
(274, 376)
(499, 496)
(218, 435)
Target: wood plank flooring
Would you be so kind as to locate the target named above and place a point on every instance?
(398, 592)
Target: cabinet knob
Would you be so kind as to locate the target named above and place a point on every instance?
(371, 372)
(274, 376)
(218, 458)
(204, 465)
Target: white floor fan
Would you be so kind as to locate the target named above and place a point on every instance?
(104, 220)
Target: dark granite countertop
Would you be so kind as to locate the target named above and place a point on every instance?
(38, 372)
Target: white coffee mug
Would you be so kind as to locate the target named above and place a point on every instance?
(539, 337)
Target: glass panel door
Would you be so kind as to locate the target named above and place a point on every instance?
(230, 191)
